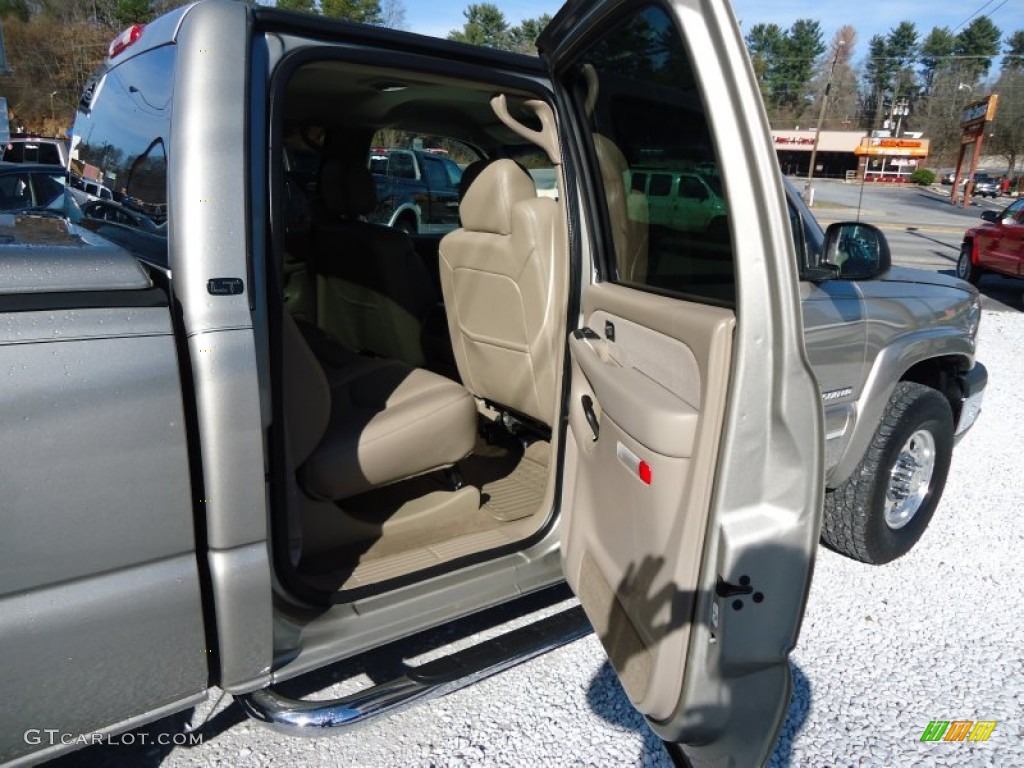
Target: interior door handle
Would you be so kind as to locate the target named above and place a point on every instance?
(588, 411)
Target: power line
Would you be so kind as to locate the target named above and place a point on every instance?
(980, 10)
(976, 13)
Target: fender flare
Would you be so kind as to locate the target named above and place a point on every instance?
(889, 368)
(403, 209)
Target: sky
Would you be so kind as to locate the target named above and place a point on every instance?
(869, 17)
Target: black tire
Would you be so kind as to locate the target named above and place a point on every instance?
(718, 231)
(965, 268)
(854, 522)
(407, 224)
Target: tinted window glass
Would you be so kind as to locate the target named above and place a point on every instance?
(436, 176)
(401, 165)
(48, 154)
(21, 151)
(49, 190)
(661, 185)
(15, 192)
(120, 146)
(649, 114)
(453, 171)
(690, 187)
(14, 153)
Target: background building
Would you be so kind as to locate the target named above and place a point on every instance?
(850, 154)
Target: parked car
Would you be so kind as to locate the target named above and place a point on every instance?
(685, 200)
(417, 190)
(104, 210)
(30, 185)
(996, 245)
(987, 186)
(85, 190)
(130, 229)
(205, 487)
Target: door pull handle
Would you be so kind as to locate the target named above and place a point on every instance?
(588, 411)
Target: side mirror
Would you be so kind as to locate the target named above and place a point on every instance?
(993, 216)
(860, 251)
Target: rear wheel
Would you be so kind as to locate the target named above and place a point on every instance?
(966, 269)
(880, 512)
(407, 224)
(718, 230)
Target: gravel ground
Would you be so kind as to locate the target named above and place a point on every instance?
(884, 650)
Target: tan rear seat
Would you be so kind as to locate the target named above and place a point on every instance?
(370, 422)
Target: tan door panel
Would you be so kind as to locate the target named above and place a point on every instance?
(657, 391)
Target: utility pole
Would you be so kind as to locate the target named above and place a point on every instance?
(900, 108)
(808, 192)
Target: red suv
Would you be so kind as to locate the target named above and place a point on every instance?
(996, 245)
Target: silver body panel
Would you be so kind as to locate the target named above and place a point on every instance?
(76, 259)
(208, 191)
(97, 561)
(98, 565)
(863, 336)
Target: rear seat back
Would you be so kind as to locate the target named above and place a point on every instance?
(373, 290)
(502, 276)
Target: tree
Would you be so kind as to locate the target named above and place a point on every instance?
(17, 8)
(889, 72)
(784, 62)
(1013, 57)
(936, 54)
(523, 39)
(363, 11)
(802, 45)
(977, 44)
(765, 44)
(128, 12)
(48, 55)
(392, 14)
(843, 93)
(485, 25)
(306, 6)
(1008, 126)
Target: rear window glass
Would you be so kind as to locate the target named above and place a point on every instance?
(32, 152)
(120, 151)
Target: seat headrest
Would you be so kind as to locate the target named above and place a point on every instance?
(488, 204)
(469, 174)
(346, 190)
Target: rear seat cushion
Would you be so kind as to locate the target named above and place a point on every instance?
(356, 422)
(388, 422)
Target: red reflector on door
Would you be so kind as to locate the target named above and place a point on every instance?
(644, 471)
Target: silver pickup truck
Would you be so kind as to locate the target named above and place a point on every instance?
(222, 469)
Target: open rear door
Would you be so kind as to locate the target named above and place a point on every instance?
(694, 450)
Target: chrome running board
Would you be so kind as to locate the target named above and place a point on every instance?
(295, 717)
